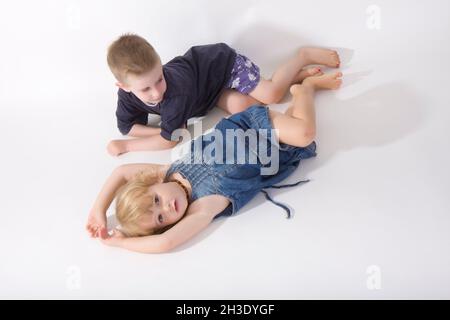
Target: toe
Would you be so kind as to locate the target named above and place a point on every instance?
(315, 71)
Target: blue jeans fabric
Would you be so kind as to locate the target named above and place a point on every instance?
(238, 182)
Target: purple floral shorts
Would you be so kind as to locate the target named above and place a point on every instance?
(245, 75)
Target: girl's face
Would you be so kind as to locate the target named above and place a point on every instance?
(169, 205)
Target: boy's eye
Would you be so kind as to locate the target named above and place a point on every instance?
(145, 90)
(159, 80)
(160, 218)
(156, 200)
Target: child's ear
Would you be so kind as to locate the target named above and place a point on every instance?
(122, 86)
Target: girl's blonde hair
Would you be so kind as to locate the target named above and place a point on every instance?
(131, 54)
(133, 202)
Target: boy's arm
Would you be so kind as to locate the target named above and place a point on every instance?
(152, 143)
(140, 131)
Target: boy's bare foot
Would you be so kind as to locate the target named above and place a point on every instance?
(326, 57)
(307, 72)
(326, 81)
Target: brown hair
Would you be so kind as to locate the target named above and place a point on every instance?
(131, 54)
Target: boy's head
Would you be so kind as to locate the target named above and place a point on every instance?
(137, 68)
(148, 205)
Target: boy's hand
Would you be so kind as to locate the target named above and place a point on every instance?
(116, 147)
(96, 221)
(114, 240)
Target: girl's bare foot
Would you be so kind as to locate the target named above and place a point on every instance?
(307, 72)
(326, 57)
(326, 81)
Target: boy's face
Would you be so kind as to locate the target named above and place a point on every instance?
(148, 87)
(169, 205)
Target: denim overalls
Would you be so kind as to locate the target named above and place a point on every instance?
(236, 181)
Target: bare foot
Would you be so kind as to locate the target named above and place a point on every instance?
(307, 72)
(326, 81)
(326, 57)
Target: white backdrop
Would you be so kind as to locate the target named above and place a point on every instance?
(373, 222)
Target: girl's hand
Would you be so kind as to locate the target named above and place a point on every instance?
(114, 240)
(96, 221)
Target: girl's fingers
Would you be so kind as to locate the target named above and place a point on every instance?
(104, 233)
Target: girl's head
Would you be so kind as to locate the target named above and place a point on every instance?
(148, 205)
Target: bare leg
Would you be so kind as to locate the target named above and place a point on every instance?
(297, 126)
(233, 101)
(273, 90)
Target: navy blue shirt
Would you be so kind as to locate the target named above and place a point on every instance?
(194, 83)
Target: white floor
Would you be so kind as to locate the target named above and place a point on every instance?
(372, 224)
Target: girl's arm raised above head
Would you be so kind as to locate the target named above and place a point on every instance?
(193, 223)
(147, 244)
(130, 170)
(160, 243)
(119, 176)
(200, 214)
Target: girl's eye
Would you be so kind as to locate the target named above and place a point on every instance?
(156, 200)
(160, 218)
(159, 80)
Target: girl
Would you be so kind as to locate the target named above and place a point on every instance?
(160, 207)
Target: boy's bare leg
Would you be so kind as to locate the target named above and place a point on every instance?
(273, 90)
(233, 101)
(297, 126)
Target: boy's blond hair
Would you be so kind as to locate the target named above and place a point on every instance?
(134, 202)
(131, 54)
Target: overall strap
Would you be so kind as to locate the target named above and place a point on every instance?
(279, 204)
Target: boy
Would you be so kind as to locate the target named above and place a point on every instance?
(191, 85)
